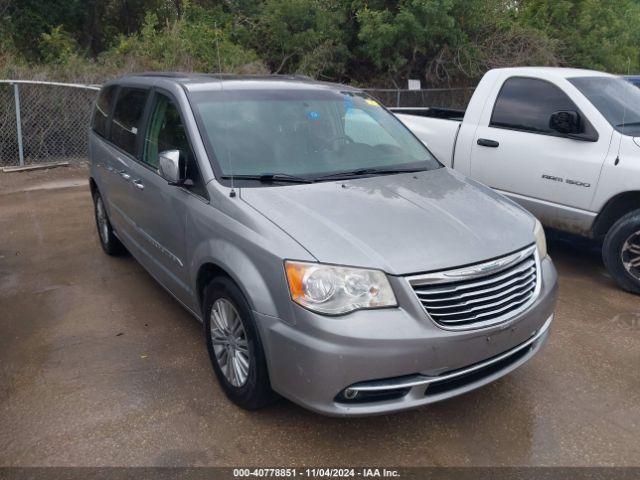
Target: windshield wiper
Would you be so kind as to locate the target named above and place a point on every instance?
(270, 177)
(368, 171)
(628, 124)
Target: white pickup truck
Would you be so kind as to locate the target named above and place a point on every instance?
(563, 143)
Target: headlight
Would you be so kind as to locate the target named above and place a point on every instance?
(336, 290)
(541, 240)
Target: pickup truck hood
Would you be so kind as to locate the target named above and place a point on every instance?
(405, 223)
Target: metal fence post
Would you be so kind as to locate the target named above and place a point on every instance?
(398, 98)
(16, 94)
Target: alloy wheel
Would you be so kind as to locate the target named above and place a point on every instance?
(229, 341)
(630, 255)
(103, 223)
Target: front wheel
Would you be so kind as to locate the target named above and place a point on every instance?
(621, 251)
(234, 346)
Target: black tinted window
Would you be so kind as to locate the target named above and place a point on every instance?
(617, 100)
(527, 104)
(167, 132)
(102, 110)
(127, 118)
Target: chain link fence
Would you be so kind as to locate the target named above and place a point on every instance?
(456, 98)
(47, 121)
(44, 121)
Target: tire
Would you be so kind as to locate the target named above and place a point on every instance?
(109, 242)
(247, 385)
(621, 247)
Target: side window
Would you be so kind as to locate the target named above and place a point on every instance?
(527, 104)
(127, 118)
(102, 110)
(167, 132)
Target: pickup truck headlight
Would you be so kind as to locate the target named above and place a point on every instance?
(541, 240)
(334, 290)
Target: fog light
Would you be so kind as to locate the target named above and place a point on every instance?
(350, 393)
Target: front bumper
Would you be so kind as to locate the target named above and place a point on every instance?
(397, 358)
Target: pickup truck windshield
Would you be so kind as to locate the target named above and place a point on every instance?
(616, 99)
(284, 135)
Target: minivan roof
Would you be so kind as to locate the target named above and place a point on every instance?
(215, 81)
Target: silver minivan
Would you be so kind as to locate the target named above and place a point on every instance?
(331, 258)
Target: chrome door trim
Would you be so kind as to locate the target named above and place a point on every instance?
(150, 239)
(126, 239)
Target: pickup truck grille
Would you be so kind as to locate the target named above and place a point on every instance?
(480, 295)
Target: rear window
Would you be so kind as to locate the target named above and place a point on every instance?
(102, 110)
(127, 118)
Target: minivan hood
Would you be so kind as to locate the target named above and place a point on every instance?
(405, 223)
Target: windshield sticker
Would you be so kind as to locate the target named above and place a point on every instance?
(348, 103)
(371, 102)
(313, 115)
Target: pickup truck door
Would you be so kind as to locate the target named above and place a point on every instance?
(516, 152)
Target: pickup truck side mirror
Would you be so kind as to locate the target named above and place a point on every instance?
(171, 167)
(567, 122)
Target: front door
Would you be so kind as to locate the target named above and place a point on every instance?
(161, 210)
(515, 151)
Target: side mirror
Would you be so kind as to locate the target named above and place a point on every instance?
(566, 122)
(170, 167)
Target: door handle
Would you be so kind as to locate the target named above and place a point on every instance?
(485, 142)
(138, 184)
(124, 174)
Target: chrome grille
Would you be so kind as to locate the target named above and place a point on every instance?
(482, 294)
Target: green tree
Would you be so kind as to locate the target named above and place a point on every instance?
(302, 36)
(446, 41)
(190, 42)
(590, 33)
(57, 46)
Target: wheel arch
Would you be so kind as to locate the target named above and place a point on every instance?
(255, 290)
(207, 272)
(259, 277)
(93, 186)
(615, 208)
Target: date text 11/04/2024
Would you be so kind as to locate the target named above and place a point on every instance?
(316, 472)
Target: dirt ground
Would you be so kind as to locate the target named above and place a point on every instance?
(100, 366)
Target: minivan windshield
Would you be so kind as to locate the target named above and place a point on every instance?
(304, 135)
(616, 99)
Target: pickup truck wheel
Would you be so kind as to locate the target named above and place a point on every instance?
(109, 242)
(234, 346)
(621, 251)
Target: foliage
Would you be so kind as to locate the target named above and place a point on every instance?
(57, 46)
(190, 42)
(370, 42)
(302, 36)
(590, 33)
